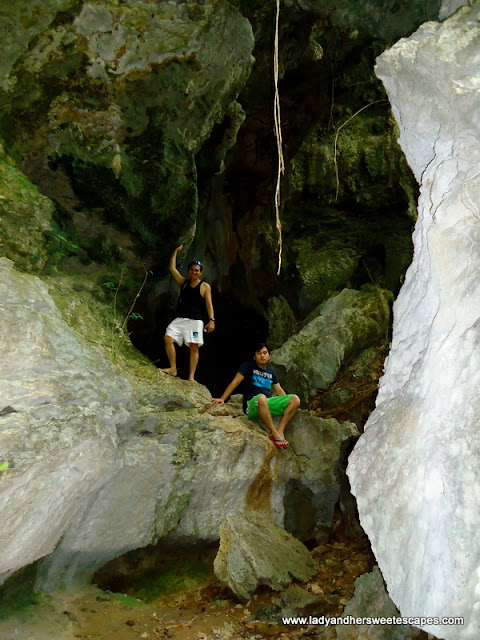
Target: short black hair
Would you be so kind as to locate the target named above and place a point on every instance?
(260, 346)
(190, 264)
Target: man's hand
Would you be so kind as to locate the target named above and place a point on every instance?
(178, 248)
(210, 326)
(217, 401)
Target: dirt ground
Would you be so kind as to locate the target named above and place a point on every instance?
(203, 611)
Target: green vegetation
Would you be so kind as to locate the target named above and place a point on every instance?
(17, 595)
(172, 572)
(127, 602)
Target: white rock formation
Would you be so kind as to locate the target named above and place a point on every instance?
(416, 470)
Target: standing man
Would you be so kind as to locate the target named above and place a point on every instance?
(257, 401)
(187, 327)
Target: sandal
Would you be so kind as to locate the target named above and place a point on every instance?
(280, 444)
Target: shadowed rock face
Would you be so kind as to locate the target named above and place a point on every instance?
(415, 471)
(123, 113)
(120, 98)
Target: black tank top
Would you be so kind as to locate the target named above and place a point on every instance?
(191, 304)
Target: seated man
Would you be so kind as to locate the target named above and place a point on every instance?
(257, 401)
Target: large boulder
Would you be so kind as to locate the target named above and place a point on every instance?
(106, 454)
(415, 470)
(311, 496)
(343, 326)
(254, 551)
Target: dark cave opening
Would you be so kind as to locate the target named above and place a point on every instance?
(238, 329)
(151, 572)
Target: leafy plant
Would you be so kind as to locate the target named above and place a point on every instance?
(4, 466)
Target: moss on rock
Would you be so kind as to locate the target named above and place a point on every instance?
(344, 324)
(121, 96)
(324, 269)
(25, 218)
(281, 322)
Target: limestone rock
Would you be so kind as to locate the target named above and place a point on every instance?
(294, 601)
(371, 600)
(345, 324)
(325, 270)
(151, 82)
(450, 6)
(310, 497)
(382, 19)
(281, 322)
(25, 218)
(107, 455)
(415, 470)
(254, 551)
(62, 437)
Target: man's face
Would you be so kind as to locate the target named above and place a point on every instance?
(262, 357)
(194, 272)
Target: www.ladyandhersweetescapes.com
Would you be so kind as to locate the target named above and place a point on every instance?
(415, 621)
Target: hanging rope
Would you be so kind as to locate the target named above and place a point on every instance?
(278, 135)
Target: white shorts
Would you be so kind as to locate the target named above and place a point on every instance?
(186, 330)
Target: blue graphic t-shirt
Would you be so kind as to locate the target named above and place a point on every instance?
(256, 380)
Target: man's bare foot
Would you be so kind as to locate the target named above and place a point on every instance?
(192, 380)
(169, 371)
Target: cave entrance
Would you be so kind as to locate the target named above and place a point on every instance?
(238, 330)
(160, 570)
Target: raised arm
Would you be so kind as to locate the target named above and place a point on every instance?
(173, 267)
(206, 292)
(229, 390)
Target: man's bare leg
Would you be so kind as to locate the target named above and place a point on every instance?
(288, 415)
(266, 417)
(193, 361)
(171, 355)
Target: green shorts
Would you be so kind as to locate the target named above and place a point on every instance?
(277, 405)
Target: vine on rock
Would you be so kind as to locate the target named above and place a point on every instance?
(278, 135)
